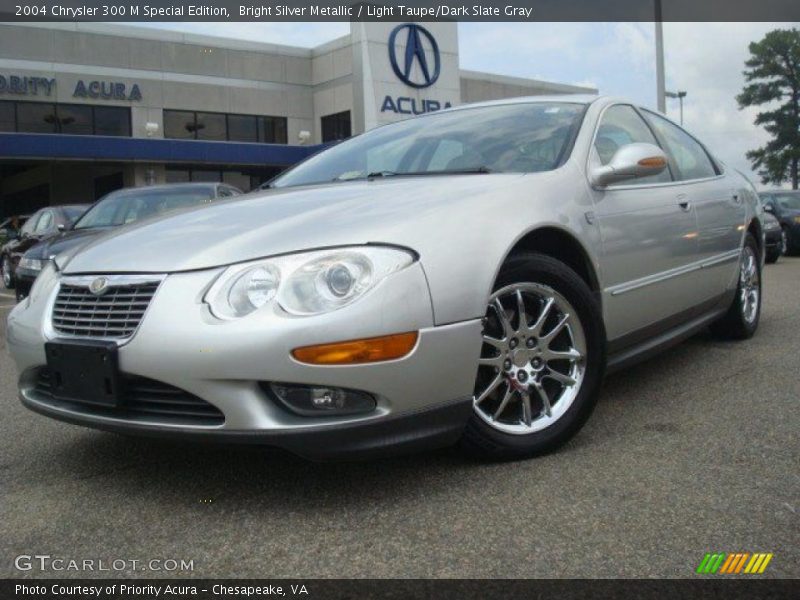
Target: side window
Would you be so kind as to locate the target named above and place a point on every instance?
(622, 125)
(44, 223)
(690, 157)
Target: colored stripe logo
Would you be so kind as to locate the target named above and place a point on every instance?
(734, 563)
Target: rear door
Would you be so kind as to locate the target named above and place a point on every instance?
(649, 235)
(719, 200)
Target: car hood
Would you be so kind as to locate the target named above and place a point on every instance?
(64, 241)
(392, 210)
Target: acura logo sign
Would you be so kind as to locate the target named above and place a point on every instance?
(422, 54)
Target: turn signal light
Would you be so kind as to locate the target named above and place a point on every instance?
(653, 161)
(354, 352)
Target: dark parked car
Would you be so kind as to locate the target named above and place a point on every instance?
(10, 226)
(785, 205)
(774, 238)
(44, 224)
(113, 210)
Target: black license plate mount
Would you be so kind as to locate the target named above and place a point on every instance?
(84, 371)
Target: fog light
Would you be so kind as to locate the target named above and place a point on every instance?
(313, 401)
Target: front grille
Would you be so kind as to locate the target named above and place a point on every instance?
(141, 399)
(114, 314)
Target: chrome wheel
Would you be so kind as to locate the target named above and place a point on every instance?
(533, 359)
(749, 285)
(6, 272)
(784, 243)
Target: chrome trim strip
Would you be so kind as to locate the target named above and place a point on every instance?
(49, 330)
(721, 258)
(636, 284)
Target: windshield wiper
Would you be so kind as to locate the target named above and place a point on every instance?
(470, 171)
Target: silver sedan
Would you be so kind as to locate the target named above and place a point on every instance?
(466, 276)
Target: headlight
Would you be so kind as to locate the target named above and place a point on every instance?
(309, 283)
(32, 264)
(44, 281)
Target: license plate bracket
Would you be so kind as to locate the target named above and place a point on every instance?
(84, 371)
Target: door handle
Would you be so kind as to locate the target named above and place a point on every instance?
(684, 203)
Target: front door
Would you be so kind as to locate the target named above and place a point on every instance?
(649, 235)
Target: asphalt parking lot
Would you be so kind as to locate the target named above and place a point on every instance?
(695, 451)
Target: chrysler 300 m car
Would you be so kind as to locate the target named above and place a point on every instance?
(466, 276)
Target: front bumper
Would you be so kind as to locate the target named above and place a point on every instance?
(423, 399)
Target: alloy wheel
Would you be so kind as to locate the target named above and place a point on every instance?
(784, 242)
(533, 359)
(749, 285)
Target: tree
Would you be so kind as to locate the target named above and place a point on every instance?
(773, 78)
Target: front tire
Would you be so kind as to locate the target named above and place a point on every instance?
(741, 320)
(8, 276)
(542, 360)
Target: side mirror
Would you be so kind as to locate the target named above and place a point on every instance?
(61, 227)
(769, 208)
(632, 161)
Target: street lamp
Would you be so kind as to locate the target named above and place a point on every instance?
(680, 96)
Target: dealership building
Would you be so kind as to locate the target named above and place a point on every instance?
(88, 108)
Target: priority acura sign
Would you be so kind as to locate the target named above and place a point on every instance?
(417, 62)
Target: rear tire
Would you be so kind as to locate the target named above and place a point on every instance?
(741, 320)
(547, 368)
(792, 245)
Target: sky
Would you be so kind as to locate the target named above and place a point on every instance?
(704, 59)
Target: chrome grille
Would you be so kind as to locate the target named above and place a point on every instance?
(113, 315)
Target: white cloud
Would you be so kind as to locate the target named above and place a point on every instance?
(706, 60)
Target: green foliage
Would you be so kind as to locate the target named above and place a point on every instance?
(773, 80)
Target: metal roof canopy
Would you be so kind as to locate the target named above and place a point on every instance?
(85, 147)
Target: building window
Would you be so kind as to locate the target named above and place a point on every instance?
(211, 126)
(242, 128)
(272, 130)
(179, 125)
(188, 125)
(112, 120)
(72, 119)
(336, 127)
(7, 116)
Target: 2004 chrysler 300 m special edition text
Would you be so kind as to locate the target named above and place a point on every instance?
(465, 277)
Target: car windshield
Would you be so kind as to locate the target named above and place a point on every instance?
(513, 138)
(73, 212)
(788, 201)
(121, 208)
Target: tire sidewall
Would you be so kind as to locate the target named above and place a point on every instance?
(541, 269)
(749, 328)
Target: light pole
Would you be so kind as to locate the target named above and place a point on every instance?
(660, 86)
(680, 96)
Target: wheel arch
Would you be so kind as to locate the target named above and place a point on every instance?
(564, 246)
(754, 228)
